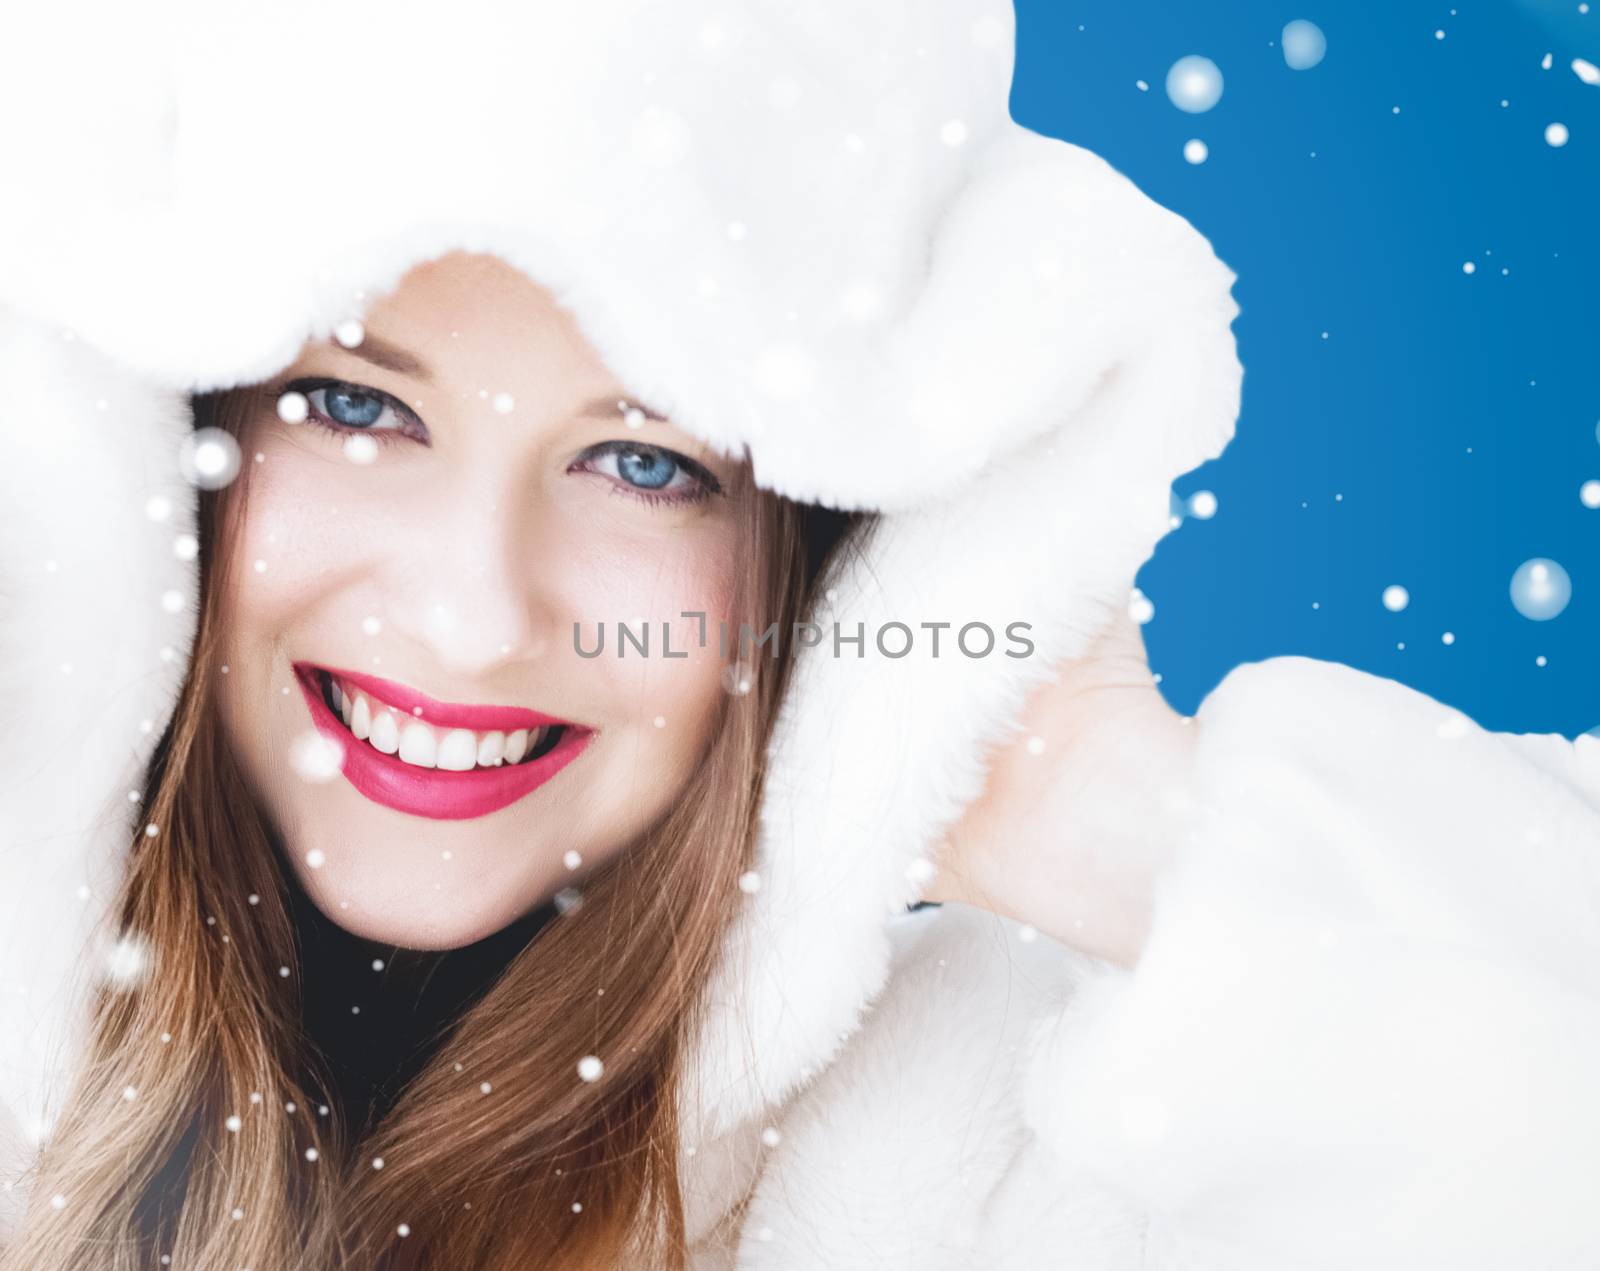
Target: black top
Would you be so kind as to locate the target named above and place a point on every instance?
(402, 1013)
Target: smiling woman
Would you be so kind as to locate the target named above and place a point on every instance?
(475, 537)
(763, 316)
(394, 624)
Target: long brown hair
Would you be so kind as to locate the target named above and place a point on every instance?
(187, 1131)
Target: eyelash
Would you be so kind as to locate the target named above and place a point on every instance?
(706, 484)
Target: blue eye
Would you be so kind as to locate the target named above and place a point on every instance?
(648, 469)
(652, 474)
(350, 406)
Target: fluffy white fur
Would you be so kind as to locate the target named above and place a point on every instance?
(1366, 1026)
(813, 232)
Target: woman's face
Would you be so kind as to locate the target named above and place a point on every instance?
(467, 484)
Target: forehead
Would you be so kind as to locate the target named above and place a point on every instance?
(477, 324)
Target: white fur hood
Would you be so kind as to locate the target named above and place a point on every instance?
(812, 230)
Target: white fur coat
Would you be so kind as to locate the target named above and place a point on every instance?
(1365, 1029)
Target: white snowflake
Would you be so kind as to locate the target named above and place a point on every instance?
(1540, 589)
(1194, 84)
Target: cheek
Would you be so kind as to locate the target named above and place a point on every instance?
(657, 714)
(287, 540)
(602, 582)
(620, 575)
(289, 548)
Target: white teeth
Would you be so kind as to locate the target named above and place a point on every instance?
(385, 733)
(459, 750)
(415, 742)
(418, 745)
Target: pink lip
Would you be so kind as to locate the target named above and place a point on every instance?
(431, 792)
(481, 719)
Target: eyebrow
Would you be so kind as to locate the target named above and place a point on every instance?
(391, 357)
(611, 407)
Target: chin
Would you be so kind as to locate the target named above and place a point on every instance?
(417, 918)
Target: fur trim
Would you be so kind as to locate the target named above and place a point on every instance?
(1364, 1030)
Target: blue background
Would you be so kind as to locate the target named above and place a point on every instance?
(1456, 414)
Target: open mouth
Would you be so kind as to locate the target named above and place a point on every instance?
(412, 740)
(434, 759)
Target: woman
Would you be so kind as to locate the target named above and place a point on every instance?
(700, 326)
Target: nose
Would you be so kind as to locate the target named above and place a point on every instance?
(470, 589)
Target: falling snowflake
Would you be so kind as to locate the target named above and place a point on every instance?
(293, 407)
(1304, 45)
(209, 458)
(128, 961)
(316, 757)
(361, 449)
(738, 679)
(1540, 589)
(1194, 84)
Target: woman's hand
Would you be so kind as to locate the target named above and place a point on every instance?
(1073, 828)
